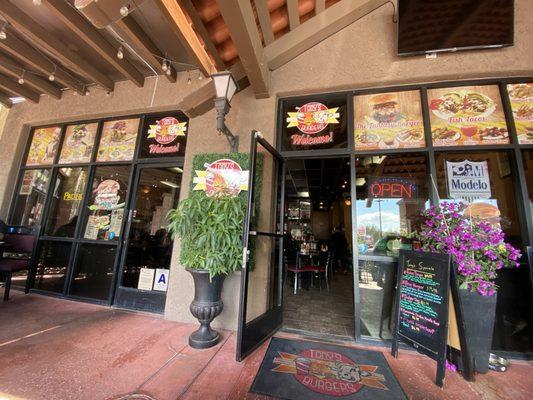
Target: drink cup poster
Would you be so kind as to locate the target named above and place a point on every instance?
(467, 116)
(388, 121)
(521, 97)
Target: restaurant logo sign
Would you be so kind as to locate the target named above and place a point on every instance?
(468, 180)
(164, 132)
(223, 177)
(311, 119)
(106, 195)
(328, 372)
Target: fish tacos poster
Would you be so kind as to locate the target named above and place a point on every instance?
(467, 116)
(388, 121)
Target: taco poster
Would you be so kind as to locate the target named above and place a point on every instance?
(467, 116)
(388, 121)
(44, 146)
(521, 97)
(78, 143)
(118, 140)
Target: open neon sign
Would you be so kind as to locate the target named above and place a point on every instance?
(392, 188)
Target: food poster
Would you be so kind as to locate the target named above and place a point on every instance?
(118, 140)
(107, 211)
(521, 97)
(44, 146)
(388, 121)
(314, 124)
(467, 116)
(164, 135)
(78, 143)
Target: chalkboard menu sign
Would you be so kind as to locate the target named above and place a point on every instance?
(422, 305)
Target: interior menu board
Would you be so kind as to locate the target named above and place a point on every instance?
(118, 140)
(422, 304)
(388, 121)
(521, 97)
(467, 116)
(44, 146)
(78, 144)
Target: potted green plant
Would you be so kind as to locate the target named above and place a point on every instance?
(210, 229)
(478, 251)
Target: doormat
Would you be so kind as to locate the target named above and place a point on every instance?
(295, 370)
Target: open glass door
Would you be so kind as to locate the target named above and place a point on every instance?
(260, 311)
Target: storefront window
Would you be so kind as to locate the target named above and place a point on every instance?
(527, 156)
(52, 264)
(118, 140)
(78, 143)
(150, 245)
(69, 190)
(314, 124)
(467, 116)
(164, 135)
(44, 145)
(107, 203)
(29, 204)
(93, 271)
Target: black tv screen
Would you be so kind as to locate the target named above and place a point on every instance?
(429, 26)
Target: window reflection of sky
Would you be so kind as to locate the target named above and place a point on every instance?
(369, 216)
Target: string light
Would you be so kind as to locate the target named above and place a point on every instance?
(125, 10)
(21, 79)
(168, 71)
(120, 53)
(200, 75)
(164, 66)
(37, 2)
(52, 76)
(3, 34)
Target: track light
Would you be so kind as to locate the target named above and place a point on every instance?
(21, 79)
(120, 53)
(125, 10)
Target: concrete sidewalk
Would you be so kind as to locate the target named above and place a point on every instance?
(59, 349)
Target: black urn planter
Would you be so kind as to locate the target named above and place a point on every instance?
(205, 307)
(478, 313)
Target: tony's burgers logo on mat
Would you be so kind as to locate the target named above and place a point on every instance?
(164, 132)
(311, 119)
(223, 177)
(328, 372)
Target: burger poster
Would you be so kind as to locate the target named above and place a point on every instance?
(388, 121)
(314, 124)
(78, 144)
(164, 135)
(521, 97)
(44, 146)
(118, 140)
(467, 116)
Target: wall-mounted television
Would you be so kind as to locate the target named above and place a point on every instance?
(430, 26)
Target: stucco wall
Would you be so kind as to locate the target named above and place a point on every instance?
(361, 55)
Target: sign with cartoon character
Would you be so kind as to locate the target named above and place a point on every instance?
(223, 177)
(44, 146)
(164, 135)
(78, 143)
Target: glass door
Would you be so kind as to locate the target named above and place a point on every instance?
(260, 311)
(147, 249)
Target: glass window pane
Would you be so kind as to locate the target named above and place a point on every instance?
(52, 264)
(467, 116)
(388, 121)
(521, 98)
(67, 198)
(118, 140)
(93, 271)
(44, 146)
(314, 124)
(107, 203)
(528, 167)
(78, 143)
(29, 204)
(150, 245)
(164, 135)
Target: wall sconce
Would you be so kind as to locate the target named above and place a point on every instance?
(225, 88)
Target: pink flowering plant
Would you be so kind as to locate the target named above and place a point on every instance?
(478, 249)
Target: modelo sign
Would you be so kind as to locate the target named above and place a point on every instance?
(468, 179)
(390, 188)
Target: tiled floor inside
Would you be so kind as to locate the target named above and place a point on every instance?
(317, 309)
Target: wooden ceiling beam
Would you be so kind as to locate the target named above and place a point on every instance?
(10, 67)
(90, 35)
(24, 52)
(294, 15)
(320, 5)
(240, 20)
(316, 29)
(46, 40)
(138, 37)
(175, 14)
(21, 90)
(263, 14)
(5, 100)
